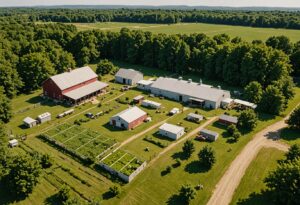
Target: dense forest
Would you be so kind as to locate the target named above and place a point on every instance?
(274, 19)
(31, 52)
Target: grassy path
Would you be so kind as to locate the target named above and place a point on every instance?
(226, 187)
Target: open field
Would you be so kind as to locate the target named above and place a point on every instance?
(250, 190)
(87, 183)
(247, 33)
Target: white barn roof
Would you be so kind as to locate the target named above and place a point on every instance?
(131, 114)
(44, 115)
(127, 73)
(145, 82)
(29, 120)
(229, 118)
(192, 89)
(74, 77)
(171, 128)
(245, 103)
(85, 90)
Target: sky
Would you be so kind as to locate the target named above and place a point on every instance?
(234, 3)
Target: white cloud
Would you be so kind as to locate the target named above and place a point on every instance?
(270, 3)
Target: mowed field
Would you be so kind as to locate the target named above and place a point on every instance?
(149, 187)
(247, 33)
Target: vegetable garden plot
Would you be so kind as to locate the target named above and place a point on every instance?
(123, 162)
(83, 141)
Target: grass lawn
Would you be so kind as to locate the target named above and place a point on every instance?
(250, 190)
(247, 33)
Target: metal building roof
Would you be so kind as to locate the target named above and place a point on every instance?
(85, 90)
(44, 115)
(191, 89)
(229, 118)
(193, 115)
(131, 114)
(171, 128)
(145, 82)
(245, 103)
(74, 77)
(29, 120)
(127, 73)
(209, 132)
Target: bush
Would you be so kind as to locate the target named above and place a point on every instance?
(231, 129)
(115, 190)
(187, 192)
(64, 193)
(105, 67)
(207, 156)
(248, 119)
(168, 169)
(236, 136)
(294, 120)
(46, 161)
(188, 148)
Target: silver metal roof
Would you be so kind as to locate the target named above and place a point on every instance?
(191, 89)
(127, 73)
(145, 82)
(171, 128)
(29, 120)
(245, 103)
(74, 77)
(131, 114)
(193, 115)
(209, 132)
(85, 90)
(229, 118)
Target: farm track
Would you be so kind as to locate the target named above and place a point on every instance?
(130, 139)
(224, 190)
(195, 131)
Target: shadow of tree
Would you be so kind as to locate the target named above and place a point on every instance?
(290, 134)
(107, 195)
(176, 199)
(52, 200)
(179, 155)
(262, 198)
(196, 167)
(6, 197)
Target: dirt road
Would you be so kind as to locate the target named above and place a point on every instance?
(225, 188)
(195, 131)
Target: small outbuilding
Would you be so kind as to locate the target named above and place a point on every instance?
(138, 99)
(128, 76)
(171, 131)
(174, 111)
(228, 120)
(13, 143)
(151, 104)
(29, 122)
(194, 117)
(244, 104)
(45, 117)
(129, 118)
(209, 135)
(144, 84)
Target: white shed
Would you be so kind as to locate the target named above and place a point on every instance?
(13, 143)
(171, 131)
(209, 135)
(44, 117)
(151, 104)
(29, 122)
(194, 117)
(144, 84)
(174, 111)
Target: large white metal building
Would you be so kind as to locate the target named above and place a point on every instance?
(128, 76)
(189, 92)
(171, 131)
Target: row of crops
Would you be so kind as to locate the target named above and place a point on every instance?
(122, 162)
(85, 142)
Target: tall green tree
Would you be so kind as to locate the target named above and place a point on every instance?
(187, 192)
(294, 119)
(188, 148)
(293, 153)
(207, 156)
(10, 80)
(272, 101)
(284, 183)
(253, 92)
(280, 42)
(23, 175)
(34, 68)
(105, 67)
(5, 107)
(248, 119)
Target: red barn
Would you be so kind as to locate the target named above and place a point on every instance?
(74, 86)
(129, 118)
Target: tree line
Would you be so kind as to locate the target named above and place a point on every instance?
(274, 19)
(30, 53)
